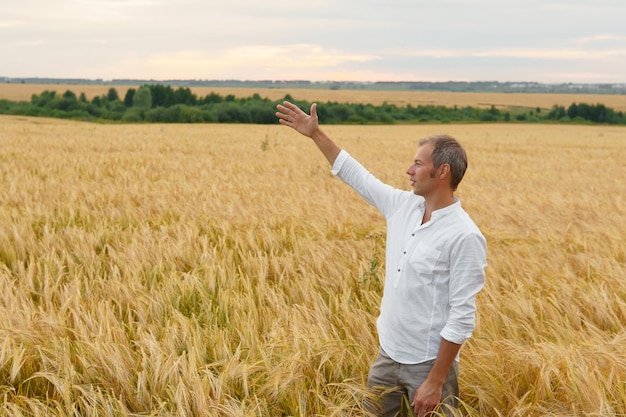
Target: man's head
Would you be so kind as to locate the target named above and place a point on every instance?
(446, 150)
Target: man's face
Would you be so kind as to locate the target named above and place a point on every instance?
(421, 172)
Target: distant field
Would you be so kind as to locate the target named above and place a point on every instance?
(23, 92)
(220, 270)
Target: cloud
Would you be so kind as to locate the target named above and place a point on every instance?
(565, 53)
(249, 62)
(21, 44)
(109, 10)
(11, 23)
(600, 38)
(320, 40)
(553, 53)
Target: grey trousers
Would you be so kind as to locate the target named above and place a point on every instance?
(397, 383)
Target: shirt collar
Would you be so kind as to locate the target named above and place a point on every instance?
(446, 210)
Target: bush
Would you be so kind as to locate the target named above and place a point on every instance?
(132, 115)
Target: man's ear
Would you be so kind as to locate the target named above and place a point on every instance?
(444, 169)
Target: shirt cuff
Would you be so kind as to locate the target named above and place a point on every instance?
(455, 337)
(339, 161)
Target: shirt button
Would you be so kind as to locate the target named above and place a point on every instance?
(398, 270)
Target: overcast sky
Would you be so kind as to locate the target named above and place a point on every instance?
(350, 40)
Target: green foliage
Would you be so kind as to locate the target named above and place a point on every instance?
(132, 115)
(142, 99)
(112, 94)
(129, 97)
(164, 104)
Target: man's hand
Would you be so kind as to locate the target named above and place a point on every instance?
(428, 395)
(291, 115)
(427, 398)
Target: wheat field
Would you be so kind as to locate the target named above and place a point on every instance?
(23, 92)
(220, 270)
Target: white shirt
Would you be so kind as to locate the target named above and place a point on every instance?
(433, 270)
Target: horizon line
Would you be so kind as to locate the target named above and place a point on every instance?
(294, 81)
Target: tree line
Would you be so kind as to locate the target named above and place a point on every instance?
(452, 86)
(163, 104)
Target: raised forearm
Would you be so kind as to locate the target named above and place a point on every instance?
(326, 145)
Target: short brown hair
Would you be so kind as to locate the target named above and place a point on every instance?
(447, 150)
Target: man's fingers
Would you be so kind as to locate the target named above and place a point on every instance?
(291, 115)
(290, 107)
(422, 411)
(282, 118)
(285, 110)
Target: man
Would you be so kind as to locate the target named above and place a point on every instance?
(435, 266)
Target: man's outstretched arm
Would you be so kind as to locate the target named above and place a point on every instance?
(291, 115)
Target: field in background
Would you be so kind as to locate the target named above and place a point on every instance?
(23, 92)
(220, 270)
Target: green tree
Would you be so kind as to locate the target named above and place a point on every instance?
(212, 98)
(112, 94)
(128, 98)
(185, 96)
(557, 112)
(68, 101)
(143, 99)
(572, 111)
(43, 99)
(161, 95)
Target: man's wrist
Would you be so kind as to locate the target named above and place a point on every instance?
(437, 377)
(317, 134)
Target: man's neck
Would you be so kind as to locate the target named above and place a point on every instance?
(435, 203)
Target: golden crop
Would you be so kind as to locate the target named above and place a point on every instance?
(220, 270)
(23, 92)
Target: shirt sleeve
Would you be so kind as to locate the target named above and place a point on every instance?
(339, 161)
(382, 196)
(467, 278)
